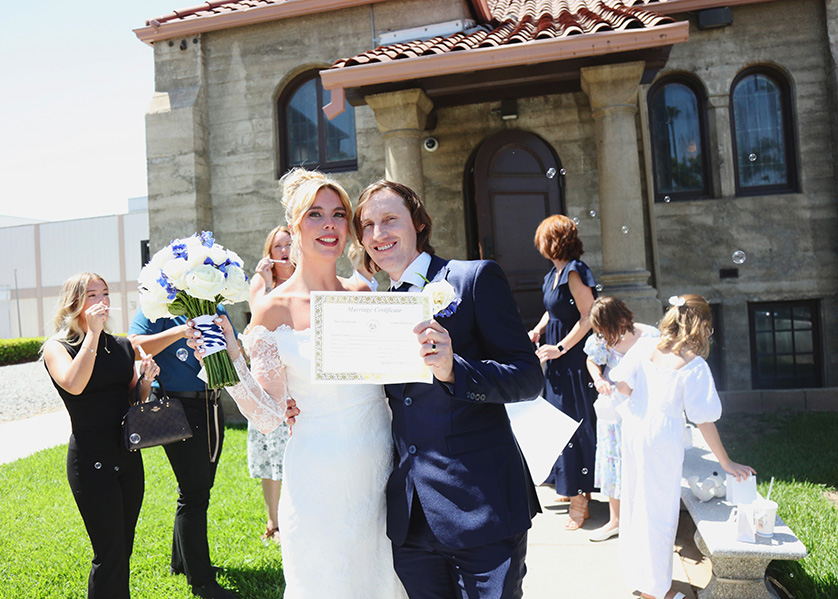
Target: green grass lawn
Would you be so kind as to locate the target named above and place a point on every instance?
(800, 451)
(45, 552)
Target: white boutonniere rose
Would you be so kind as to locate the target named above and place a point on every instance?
(443, 297)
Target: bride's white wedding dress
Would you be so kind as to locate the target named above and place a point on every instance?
(332, 512)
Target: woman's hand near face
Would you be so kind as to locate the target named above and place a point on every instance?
(96, 316)
(265, 270)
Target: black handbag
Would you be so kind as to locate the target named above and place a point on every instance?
(157, 422)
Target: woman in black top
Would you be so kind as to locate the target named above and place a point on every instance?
(94, 375)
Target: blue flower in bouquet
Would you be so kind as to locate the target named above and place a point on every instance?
(206, 239)
(171, 292)
(179, 250)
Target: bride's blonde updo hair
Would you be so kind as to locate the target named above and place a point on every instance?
(299, 188)
(687, 325)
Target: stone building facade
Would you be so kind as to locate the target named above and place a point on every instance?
(583, 124)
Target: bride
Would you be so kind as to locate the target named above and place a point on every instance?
(332, 509)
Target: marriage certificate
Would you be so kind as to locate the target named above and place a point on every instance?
(362, 337)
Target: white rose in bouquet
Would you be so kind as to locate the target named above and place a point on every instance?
(176, 271)
(205, 282)
(155, 302)
(236, 289)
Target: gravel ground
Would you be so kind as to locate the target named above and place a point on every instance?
(26, 390)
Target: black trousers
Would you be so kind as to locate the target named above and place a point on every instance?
(195, 473)
(108, 484)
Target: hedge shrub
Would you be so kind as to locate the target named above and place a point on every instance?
(15, 351)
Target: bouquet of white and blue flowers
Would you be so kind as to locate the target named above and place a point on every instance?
(191, 276)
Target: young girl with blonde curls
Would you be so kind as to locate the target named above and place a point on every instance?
(664, 379)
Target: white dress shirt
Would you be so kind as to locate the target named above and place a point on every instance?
(415, 273)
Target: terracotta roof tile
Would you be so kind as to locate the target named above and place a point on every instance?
(211, 8)
(523, 22)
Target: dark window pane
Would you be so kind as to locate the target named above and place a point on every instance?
(301, 120)
(783, 342)
(785, 367)
(765, 342)
(766, 363)
(802, 318)
(677, 140)
(783, 355)
(803, 342)
(782, 318)
(760, 139)
(340, 133)
(762, 320)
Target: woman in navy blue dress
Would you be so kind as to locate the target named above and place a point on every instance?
(569, 291)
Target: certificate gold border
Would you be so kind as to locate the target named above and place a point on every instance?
(321, 298)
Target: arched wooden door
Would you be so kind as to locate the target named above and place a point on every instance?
(517, 182)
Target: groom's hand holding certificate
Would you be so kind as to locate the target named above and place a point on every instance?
(365, 338)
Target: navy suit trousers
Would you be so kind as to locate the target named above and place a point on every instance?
(429, 570)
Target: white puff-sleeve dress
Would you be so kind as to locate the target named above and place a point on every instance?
(653, 455)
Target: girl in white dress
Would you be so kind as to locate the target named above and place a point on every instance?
(664, 379)
(615, 332)
(332, 510)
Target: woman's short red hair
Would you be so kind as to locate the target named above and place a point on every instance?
(556, 238)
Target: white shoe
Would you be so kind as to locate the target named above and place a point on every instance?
(603, 535)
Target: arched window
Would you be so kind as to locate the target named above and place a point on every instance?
(307, 137)
(763, 135)
(679, 148)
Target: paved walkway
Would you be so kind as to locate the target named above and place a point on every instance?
(560, 563)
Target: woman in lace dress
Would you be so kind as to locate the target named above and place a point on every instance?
(332, 509)
(265, 452)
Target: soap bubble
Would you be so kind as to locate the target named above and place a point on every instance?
(562, 172)
(592, 213)
(134, 438)
(590, 385)
(599, 286)
(667, 199)
(98, 465)
(575, 220)
(739, 257)
(551, 172)
(624, 229)
(584, 470)
(182, 354)
(752, 157)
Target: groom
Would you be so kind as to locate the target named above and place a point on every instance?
(460, 499)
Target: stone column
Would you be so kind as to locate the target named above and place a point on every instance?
(177, 144)
(401, 117)
(612, 91)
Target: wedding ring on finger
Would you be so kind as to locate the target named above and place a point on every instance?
(433, 348)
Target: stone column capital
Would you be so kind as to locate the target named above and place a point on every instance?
(612, 85)
(406, 109)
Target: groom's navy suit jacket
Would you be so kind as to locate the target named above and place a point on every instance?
(454, 445)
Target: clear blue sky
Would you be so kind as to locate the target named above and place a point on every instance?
(76, 83)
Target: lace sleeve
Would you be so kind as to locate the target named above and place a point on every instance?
(261, 391)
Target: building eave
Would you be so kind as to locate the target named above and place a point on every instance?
(671, 7)
(260, 14)
(540, 51)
